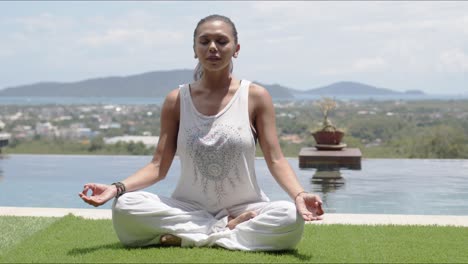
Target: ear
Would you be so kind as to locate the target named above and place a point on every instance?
(236, 53)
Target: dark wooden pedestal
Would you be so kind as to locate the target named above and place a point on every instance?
(349, 158)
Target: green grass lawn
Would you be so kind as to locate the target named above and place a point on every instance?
(74, 239)
(15, 229)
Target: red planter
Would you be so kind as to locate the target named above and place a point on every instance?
(328, 137)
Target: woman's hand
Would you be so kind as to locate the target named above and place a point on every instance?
(100, 193)
(309, 206)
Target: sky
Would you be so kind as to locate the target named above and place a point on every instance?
(301, 45)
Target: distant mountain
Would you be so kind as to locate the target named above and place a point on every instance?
(160, 83)
(278, 91)
(414, 92)
(151, 84)
(350, 88)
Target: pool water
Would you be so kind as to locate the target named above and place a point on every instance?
(382, 186)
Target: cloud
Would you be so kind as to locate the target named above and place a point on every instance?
(136, 36)
(291, 13)
(6, 53)
(454, 24)
(454, 60)
(37, 33)
(42, 23)
(135, 30)
(271, 7)
(282, 39)
(360, 65)
(464, 24)
(368, 64)
(51, 38)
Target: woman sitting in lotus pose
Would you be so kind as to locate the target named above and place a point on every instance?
(213, 124)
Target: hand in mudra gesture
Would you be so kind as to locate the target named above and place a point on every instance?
(100, 193)
(309, 206)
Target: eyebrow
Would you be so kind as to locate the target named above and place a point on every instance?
(214, 35)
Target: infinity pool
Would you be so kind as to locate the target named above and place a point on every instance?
(382, 186)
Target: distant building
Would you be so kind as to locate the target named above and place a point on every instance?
(16, 116)
(84, 132)
(4, 137)
(46, 129)
(109, 126)
(147, 140)
(77, 131)
(23, 132)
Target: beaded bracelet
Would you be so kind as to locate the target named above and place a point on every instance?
(120, 188)
(297, 195)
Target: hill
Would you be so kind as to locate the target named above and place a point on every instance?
(160, 83)
(150, 84)
(350, 88)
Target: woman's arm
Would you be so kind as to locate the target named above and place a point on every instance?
(265, 124)
(163, 156)
(154, 171)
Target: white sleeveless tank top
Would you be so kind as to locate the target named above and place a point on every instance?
(217, 154)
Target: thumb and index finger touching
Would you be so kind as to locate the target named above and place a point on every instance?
(310, 209)
(94, 199)
(86, 188)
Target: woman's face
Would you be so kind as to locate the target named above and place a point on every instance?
(215, 45)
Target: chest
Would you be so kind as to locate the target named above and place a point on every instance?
(211, 104)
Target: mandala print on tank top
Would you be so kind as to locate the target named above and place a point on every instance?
(215, 151)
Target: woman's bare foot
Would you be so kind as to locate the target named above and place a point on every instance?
(233, 222)
(170, 240)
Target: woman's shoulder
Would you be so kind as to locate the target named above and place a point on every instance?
(173, 97)
(257, 91)
(173, 94)
(259, 97)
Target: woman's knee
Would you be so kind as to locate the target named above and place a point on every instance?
(292, 224)
(131, 201)
(132, 228)
(122, 203)
(286, 213)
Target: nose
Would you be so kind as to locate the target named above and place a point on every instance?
(212, 47)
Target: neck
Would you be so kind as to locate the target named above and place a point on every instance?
(215, 80)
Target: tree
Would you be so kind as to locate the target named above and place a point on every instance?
(97, 144)
(440, 142)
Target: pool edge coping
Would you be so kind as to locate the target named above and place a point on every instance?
(329, 218)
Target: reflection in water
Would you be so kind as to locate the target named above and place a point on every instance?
(327, 178)
(1, 171)
(2, 157)
(327, 181)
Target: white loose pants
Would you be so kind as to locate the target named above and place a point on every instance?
(140, 218)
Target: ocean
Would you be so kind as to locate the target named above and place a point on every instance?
(33, 100)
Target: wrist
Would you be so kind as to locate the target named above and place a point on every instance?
(114, 189)
(120, 189)
(299, 194)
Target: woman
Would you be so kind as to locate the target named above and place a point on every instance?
(213, 124)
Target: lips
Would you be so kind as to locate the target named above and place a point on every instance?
(213, 58)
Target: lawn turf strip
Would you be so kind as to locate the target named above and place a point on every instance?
(74, 239)
(14, 229)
